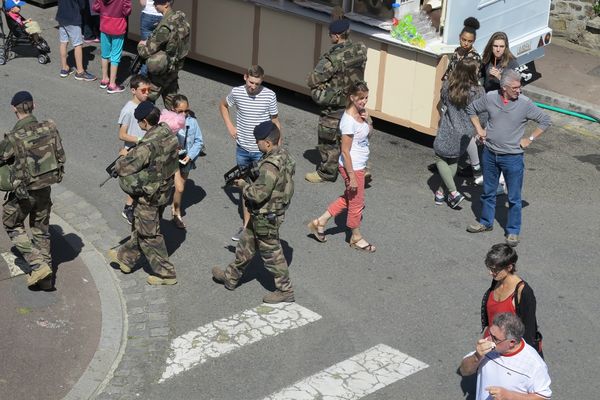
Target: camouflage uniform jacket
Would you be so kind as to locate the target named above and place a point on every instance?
(337, 69)
(7, 152)
(166, 37)
(155, 160)
(272, 190)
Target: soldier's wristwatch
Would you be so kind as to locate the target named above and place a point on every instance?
(531, 138)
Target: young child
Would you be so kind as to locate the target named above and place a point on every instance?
(190, 147)
(68, 16)
(129, 130)
(27, 25)
(113, 26)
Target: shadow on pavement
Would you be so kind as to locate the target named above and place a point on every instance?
(193, 194)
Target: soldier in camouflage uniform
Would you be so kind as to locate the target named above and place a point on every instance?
(27, 199)
(267, 198)
(147, 174)
(165, 52)
(336, 70)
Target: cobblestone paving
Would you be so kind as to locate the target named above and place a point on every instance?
(147, 337)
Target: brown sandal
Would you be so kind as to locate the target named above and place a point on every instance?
(369, 248)
(178, 221)
(317, 230)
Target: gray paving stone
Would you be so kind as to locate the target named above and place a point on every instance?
(159, 332)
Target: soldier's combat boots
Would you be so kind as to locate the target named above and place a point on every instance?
(39, 274)
(279, 297)
(170, 279)
(219, 276)
(314, 177)
(114, 259)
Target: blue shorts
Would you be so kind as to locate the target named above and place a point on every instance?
(111, 47)
(245, 158)
(70, 33)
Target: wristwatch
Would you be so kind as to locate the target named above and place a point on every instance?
(531, 138)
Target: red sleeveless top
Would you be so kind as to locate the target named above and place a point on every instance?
(496, 307)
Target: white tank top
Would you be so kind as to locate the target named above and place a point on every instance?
(150, 9)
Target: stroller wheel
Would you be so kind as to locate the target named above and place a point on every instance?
(43, 59)
(2, 60)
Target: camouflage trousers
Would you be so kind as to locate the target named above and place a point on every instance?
(166, 86)
(37, 206)
(146, 239)
(263, 234)
(329, 137)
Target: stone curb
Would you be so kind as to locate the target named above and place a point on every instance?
(114, 320)
(135, 316)
(558, 100)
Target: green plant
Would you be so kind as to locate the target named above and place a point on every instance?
(597, 7)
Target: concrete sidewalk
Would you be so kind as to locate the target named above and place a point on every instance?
(59, 343)
(570, 78)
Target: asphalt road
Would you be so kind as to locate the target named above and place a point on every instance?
(419, 293)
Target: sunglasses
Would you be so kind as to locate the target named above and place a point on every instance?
(144, 90)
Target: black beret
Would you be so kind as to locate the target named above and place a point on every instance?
(262, 130)
(339, 26)
(143, 109)
(161, 2)
(21, 97)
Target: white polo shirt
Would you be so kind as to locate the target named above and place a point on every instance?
(523, 371)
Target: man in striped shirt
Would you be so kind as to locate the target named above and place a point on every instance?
(254, 104)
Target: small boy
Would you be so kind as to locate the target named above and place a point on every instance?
(68, 16)
(27, 25)
(129, 130)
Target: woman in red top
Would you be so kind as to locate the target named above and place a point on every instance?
(509, 293)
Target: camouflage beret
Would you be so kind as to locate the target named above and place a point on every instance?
(339, 26)
(264, 129)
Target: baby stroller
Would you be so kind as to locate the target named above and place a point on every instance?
(18, 37)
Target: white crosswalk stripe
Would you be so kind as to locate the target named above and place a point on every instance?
(354, 378)
(228, 334)
(10, 258)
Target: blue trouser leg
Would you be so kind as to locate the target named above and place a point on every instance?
(491, 176)
(513, 167)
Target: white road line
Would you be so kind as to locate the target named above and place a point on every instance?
(10, 258)
(354, 378)
(228, 334)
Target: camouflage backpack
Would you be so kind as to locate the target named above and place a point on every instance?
(39, 158)
(163, 165)
(348, 60)
(176, 49)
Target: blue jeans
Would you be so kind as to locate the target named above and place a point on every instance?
(147, 24)
(513, 167)
(245, 158)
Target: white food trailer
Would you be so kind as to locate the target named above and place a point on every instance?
(287, 37)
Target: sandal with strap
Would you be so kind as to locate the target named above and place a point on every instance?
(368, 247)
(178, 221)
(317, 230)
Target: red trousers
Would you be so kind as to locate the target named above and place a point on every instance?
(353, 200)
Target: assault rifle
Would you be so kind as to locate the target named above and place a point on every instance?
(236, 173)
(111, 171)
